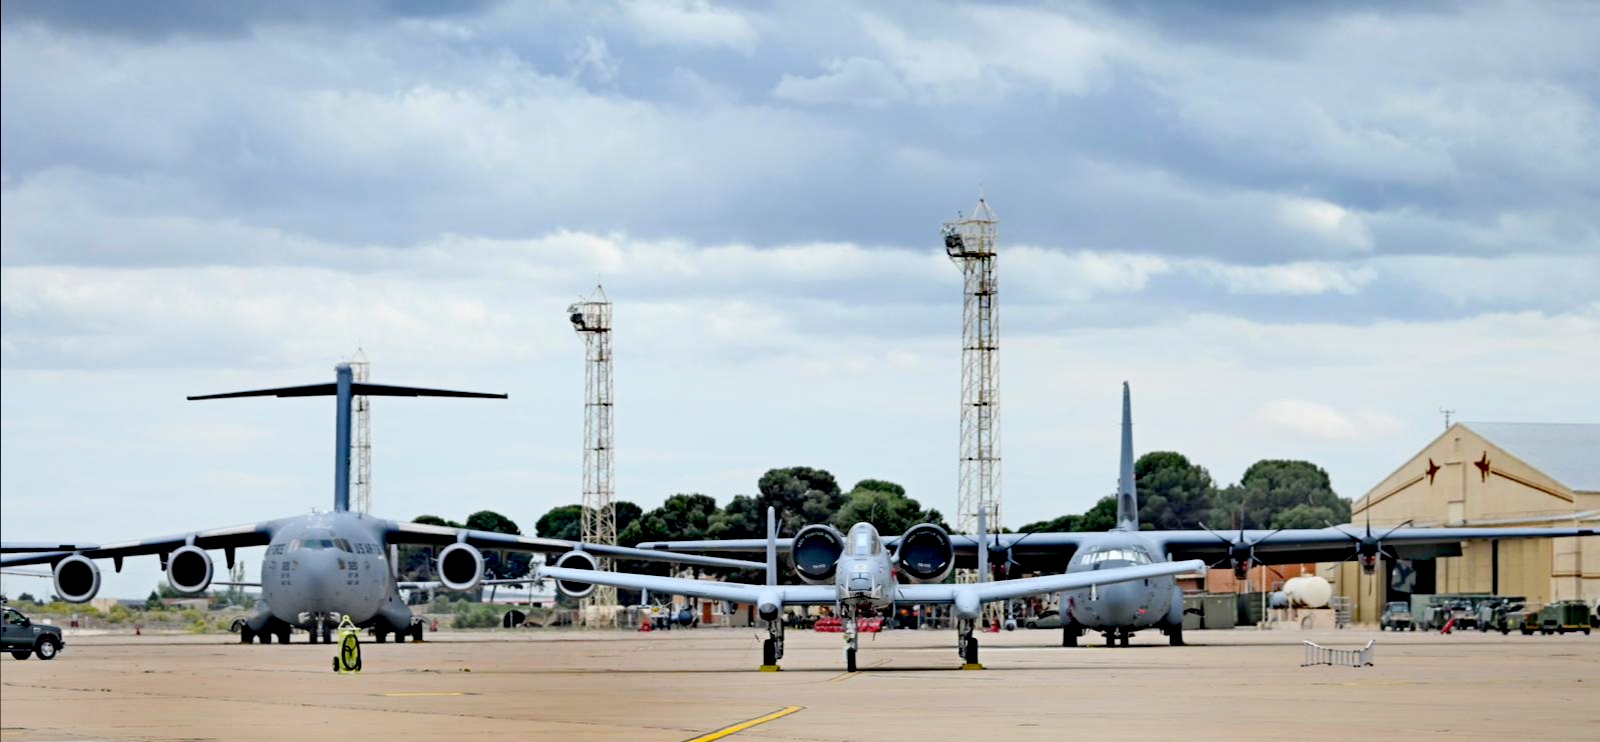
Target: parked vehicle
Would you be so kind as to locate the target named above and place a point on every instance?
(24, 638)
(1501, 615)
(1050, 619)
(1524, 619)
(1396, 617)
(1563, 616)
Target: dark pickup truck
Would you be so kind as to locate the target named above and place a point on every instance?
(22, 637)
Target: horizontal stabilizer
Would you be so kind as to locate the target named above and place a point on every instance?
(359, 389)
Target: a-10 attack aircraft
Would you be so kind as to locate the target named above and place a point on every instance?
(1117, 611)
(860, 579)
(320, 566)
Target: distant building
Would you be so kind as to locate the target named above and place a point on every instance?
(1488, 474)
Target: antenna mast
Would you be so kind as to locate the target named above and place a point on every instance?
(361, 442)
(591, 319)
(1447, 414)
(971, 242)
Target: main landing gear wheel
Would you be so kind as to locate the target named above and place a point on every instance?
(327, 633)
(246, 634)
(1111, 639)
(416, 632)
(380, 636)
(1125, 636)
(283, 635)
(1175, 635)
(850, 660)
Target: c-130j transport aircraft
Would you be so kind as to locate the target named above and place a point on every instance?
(321, 566)
(1119, 610)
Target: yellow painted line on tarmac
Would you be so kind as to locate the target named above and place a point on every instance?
(423, 694)
(743, 725)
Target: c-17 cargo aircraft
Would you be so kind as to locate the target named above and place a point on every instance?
(855, 574)
(321, 566)
(1117, 611)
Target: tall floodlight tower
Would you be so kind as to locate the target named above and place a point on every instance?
(971, 243)
(591, 318)
(361, 441)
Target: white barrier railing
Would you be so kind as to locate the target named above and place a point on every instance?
(1316, 654)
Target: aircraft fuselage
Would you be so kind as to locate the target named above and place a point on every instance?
(1126, 606)
(321, 566)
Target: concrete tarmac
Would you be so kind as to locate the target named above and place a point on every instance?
(1227, 685)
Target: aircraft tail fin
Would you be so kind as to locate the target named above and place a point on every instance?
(1127, 498)
(345, 388)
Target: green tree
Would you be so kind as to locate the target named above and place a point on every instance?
(563, 522)
(1101, 517)
(879, 485)
(1275, 493)
(744, 517)
(1174, 494)
(626, 513)
(801, 494)
(1060, 524)
(888, 510)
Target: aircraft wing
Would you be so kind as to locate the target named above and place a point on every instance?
(231, 537)
(710, 589)
(964, 544)
(424, 534)
(987, 592)
(1334, 544)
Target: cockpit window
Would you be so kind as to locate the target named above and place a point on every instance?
(318, 540)
(1131, 555)
(863, 541)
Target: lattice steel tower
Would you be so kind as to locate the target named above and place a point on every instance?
(361, 441)
(591, 318)
(972, 242)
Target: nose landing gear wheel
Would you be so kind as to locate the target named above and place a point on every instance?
(769, 653)
(850, 660)
(970, 657)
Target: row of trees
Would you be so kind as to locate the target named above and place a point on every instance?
(1175, 493)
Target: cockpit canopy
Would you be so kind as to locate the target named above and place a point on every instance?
(315, 539)
(1130, 554)
(863, 540)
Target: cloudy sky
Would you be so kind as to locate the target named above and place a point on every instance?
(1297, 229)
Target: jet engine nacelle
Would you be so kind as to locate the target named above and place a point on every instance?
(189, 570)
(576, 560)
(925, 554)
(816, 553)
(460, 567)
(77, 579)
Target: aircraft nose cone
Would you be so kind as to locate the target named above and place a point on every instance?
(1118, 603)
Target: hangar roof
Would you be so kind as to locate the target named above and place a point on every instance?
(1568, 452)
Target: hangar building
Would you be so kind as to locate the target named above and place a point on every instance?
(1487, 474)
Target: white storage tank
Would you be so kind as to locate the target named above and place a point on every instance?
(1308, 591)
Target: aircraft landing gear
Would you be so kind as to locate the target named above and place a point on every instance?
(1111, 638)
(246, 634)
(1125, 636)
(852, 640)
(1175, 634)
(1070, 634)
(772, 647)
(967, 644)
